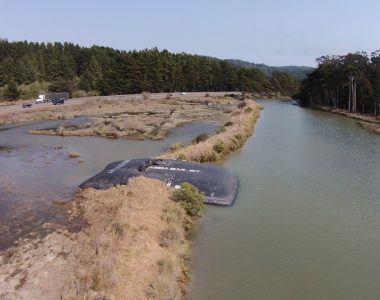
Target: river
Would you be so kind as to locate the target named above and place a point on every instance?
(306, 222)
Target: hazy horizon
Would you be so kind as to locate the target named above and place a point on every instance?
(273, 33)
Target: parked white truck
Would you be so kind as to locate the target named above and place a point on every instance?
(42, 98)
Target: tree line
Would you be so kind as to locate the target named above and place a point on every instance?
(298, 72)
(350, 82)
(69, 67)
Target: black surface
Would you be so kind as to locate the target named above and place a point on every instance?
(218, 184)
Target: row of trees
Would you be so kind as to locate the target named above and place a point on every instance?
(350, 82)
(68, 67)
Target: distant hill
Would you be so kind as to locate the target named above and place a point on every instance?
(298, 72)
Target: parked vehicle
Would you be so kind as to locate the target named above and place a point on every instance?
(26, 105)
(58, 101)
(51, 96)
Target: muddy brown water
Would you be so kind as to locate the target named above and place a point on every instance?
(306, 222)
(37, 176)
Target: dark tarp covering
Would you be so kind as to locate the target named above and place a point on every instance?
(218, 185)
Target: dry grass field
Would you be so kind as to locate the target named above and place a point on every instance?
(134, 247)
(230, 137)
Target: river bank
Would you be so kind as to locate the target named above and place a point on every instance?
(368, 122)
(129, 234)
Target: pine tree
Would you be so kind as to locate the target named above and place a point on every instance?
(11, 91)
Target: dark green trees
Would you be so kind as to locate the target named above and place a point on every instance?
(11, 91)
(350, 82)
(68, 67)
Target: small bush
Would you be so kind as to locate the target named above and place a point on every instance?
(118, 228)
(248, 110)
(165, 266)
(74, 155)
(242, 104)
(169, 236)
(219, 147)
(181, 156)
(228, 123)
(207, 95)
(190, 198)
(209, 157)
(146, 95)
(200, 138)
(177, 146)
(168, 96)
(221, 129)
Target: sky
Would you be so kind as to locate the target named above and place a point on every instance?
(274, 32)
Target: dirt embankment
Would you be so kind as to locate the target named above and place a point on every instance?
(134, 247)
(231, 136)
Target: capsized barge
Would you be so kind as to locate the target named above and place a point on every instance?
(219, 185)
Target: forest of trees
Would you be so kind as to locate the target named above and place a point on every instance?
(350, 82)
(69, 67)
(298, 72)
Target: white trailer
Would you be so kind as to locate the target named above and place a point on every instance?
(42, 98)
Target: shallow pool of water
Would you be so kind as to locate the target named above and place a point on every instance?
(37, 174)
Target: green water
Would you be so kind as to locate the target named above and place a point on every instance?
(306, 222)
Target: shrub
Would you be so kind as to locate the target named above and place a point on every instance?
(200, 138)
(177, 146)
(11, 91)
(228, 123)
(118, 228)
(248, 110)
(169, 236)
(208, 157)
(219, 147)
(146, 95)
(190, 198)
(242, 104)
(166, 265)
(221, 129)
(74, 155)
(181, 156)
